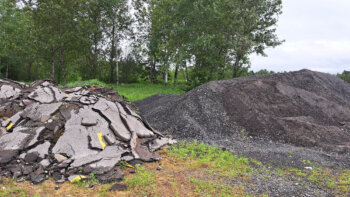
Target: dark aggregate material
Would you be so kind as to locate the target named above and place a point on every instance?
(280, 119)
(69, 133)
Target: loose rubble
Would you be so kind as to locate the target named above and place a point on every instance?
(70, 133)
(265, 117)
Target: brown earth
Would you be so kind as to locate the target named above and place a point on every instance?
(306, 112)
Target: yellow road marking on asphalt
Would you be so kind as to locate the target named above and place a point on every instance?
(100, 137)
(78, 178)
(9, 126)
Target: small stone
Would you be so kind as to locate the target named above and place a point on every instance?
(135, 162)
(40, 170)
(63, 171)
(57, 187)
(36, 179)
(57, 176)
(159, 168)
(45, 163)
(91, 186)
(118, 187)
(31, 157)
(21, 180)
(17, 174)
(27, 169)
(61, 181)
(60, 158)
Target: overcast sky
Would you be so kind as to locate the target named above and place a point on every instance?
(317, 34)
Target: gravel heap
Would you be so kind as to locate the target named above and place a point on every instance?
(300, 109)
(69, 134)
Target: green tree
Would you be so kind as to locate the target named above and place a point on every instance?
(345, 76)
(213, 35)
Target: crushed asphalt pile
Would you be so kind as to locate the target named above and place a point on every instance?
(301, 109)
(70, 133)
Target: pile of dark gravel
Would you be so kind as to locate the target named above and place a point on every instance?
(69, 134)
(260, 115)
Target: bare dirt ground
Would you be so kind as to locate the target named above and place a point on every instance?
(280, 119)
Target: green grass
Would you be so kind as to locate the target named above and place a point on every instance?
(143, 182)
(216, 161)
(9, 188)
(135, 91)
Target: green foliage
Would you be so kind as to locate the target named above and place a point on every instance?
(74, 40)
(215, 36)
(345, 76)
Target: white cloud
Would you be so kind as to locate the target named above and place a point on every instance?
(317, 34)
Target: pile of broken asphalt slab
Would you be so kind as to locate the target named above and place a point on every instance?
(70, 133)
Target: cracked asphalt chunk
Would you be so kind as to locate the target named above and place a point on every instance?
(42, 149)
(40, 112)
(109, 110)
(134, 124)
(36, 135)
(74, 141)
(42, 95)
(15, 140)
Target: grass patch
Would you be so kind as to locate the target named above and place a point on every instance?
(9, 188)
(214, 159)
(134, 91)
(143, 182)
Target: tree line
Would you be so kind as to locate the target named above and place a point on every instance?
(124, 40)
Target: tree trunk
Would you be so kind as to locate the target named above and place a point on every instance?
(183, 75)
(52, 64)
(186, 72)
(166, 77)
(175, 75)
(117, 75)
(236, 67)
(112, 54)
(29, 70)
(7, 69)
(95, 56)
(36, 70)
(61, 65)
(153, 71)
